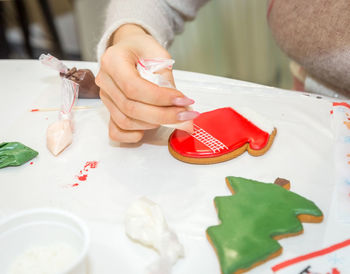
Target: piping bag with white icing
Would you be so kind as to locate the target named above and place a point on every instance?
(147, 69)
(60, 133)
(145, 223)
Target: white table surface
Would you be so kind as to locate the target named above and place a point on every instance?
(301, 153)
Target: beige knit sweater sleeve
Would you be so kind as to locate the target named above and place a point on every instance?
(161, 18)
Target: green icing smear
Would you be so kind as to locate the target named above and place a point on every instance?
(15, 154)
(251, 217)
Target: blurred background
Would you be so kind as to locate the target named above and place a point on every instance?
(229, 38)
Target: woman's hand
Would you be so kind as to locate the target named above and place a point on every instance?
(135, 104)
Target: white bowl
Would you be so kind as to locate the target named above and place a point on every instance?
(43, 230)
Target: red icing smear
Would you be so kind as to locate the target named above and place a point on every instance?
(82, 177)
(335, 271)
(331, 111)
(31, 163)
(34, 110)
(311, 255)
(83, 173)
(92, 164)
(218, 132)
(344, 104)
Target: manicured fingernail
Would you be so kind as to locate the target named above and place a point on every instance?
(182, 101)
(187, 115)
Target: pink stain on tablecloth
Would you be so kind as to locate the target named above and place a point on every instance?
(83, 173)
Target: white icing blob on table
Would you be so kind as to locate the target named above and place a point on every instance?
(145, 223)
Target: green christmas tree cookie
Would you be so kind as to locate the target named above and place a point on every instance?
(253, 219)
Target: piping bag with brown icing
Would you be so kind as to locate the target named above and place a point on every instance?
(147, 69)
(83, 77)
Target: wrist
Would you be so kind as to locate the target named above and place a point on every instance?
(125, 31)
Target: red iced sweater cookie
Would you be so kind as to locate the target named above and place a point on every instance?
(220, 135)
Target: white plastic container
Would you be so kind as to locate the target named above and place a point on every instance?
(27, 236)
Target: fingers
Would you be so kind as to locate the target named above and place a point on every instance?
(135, 104)
(126, 76)
(123, 121)
(124, 136)
(150, 114)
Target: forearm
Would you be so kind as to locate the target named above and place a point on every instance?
(125, 31)
(162, 19)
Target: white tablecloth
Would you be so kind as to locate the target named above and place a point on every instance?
(302, 152)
